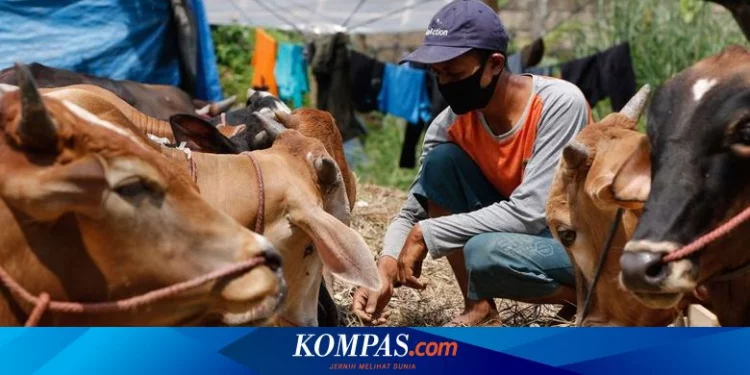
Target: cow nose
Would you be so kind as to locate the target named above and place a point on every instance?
(643, 270)
(273, 258)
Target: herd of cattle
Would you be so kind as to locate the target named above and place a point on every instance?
(113, 189)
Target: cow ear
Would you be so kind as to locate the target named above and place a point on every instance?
(632, 182)
(342, 250)
(602, 182)
(48, 194)
(200, 135)
(335, 200)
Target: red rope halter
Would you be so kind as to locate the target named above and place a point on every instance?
(43, 302)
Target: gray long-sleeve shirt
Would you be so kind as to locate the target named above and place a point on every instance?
(556, 111)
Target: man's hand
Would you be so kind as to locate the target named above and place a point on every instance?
(369, 304)
(410, 259)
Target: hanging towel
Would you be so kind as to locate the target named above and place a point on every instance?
(404, 93)
(263, 62)
(291, 73)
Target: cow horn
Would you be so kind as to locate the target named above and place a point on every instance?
(36, 129)
(637, 103)
(327, 171)
(575, 154)
(271, 126)
(289, 121)
(222, 106)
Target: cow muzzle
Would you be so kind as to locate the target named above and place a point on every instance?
(656, 283)
(254, 297)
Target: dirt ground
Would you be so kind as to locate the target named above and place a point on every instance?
(435, 306)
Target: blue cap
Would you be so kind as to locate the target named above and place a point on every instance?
(457, 28)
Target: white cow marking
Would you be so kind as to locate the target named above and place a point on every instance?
(90, 117)
(702, 86)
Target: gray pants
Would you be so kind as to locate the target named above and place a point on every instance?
(499, 265)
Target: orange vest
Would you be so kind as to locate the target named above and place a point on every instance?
(502, 161)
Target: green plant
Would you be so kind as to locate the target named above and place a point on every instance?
(234, 45)
(383, 150)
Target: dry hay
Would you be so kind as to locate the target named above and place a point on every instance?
(436, 305)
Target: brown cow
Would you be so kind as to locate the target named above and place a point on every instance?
(160, 101)
(305, 201)
(582, 203)
(201, 135)
(91, 213)
(306, 204)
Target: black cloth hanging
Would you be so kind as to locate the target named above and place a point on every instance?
(618, 75)
(414, 130)
(409, 146)
(330, 65)
(607, 74)
(366, 76)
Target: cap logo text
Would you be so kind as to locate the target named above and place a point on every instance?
(436, 32)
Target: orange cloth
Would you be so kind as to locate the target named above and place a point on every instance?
(501, 161)
(264, 62)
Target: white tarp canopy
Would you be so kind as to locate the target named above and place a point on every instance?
(355, 16)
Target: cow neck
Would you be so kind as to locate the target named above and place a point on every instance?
(186, 156)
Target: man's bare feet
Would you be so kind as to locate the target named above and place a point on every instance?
(483, 312)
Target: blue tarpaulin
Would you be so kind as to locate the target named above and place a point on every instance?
(118, 39)
(207, 83)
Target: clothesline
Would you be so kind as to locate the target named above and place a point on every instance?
(406, 91)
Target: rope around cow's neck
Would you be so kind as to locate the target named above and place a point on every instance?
(260, 216)
(600, 265)
(43, 303)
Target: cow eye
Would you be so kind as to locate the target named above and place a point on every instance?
(742, 133)
(567, 237)
(134, 187)
(740, 139)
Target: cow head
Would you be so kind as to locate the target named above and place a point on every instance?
(139, 222)
(305, 203)
(241, 129)
(598, 174)
(320, 208)
(699, 131)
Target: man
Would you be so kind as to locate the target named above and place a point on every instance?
(487, 165)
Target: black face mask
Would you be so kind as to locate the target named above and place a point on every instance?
(467, 94)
